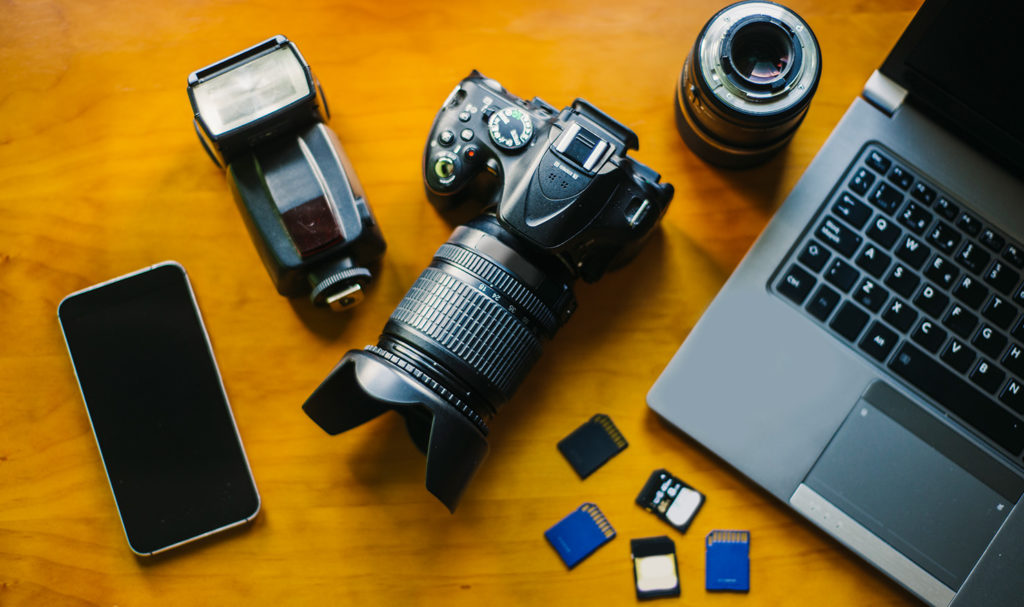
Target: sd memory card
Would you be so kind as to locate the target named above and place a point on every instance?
(578, 535)
(670, 499)
(592, 444)
(655, 570)
(727, 560)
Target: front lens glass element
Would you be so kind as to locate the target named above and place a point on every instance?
(251, 91)
(761, 52)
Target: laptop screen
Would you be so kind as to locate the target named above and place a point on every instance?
(961, 62)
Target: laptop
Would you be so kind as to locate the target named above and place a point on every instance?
(865, 361)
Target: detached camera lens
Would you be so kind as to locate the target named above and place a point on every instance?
(747, 83)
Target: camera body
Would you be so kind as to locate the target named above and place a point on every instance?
(566, 186)
(567, 203)
(260, 114)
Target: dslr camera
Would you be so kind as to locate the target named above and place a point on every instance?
(568, 203)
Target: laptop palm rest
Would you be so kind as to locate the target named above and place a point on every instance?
(908, 493)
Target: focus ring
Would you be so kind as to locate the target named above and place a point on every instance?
(471, 326)
(501, 281)
(429, 382)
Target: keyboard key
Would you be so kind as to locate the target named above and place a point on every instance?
(902, 280)
(958, 356)
(855, 212)
(900, 315)
(958, 397)
(1018, 332)
(878, 341)
(1013, 396)
(969, 224)
(946, 208)
(884, 232)
(861, 181)
(923, 193)
(916, 218)
(873, 260)
(970, 291)
(942, 271)
(823, 302)
(870, 295)
(929, 335)
(913, 252)
(886, 197)
(944, 236)
(901, 177)
(960, 321)
(838, 236)
(849, 321)
(931, 300)
(1014, 255)
(814, 256)
(992, 240)
(972, 257)
(796, 284)
(987, 375)
(1013, 360)
(999, 311)
(989, 341)
(1019, 295)
(842, 275)
(877, 161)
(1001, 277)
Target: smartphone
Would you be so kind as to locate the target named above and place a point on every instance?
(158, 409)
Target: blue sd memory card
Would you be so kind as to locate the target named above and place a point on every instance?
(576, 536)
(727, 560)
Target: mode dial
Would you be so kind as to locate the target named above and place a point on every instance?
(510, 128)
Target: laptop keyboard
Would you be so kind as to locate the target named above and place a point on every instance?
(904, 274)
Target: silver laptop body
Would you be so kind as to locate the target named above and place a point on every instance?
(847, 425)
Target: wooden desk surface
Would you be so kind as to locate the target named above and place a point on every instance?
(101, 174)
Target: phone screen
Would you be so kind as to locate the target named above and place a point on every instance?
(158, 409)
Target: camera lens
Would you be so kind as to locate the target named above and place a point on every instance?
(747, 83)
(454, 350)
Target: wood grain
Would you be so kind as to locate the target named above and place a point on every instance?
(101, 174)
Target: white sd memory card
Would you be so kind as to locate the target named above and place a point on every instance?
(670, 499)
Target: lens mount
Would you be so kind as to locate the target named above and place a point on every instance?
(758, 58)
(760, 53)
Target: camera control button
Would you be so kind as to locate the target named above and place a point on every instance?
(470, 153)
(445, 166)
(446, 138)
(464, 116)
(466, 134)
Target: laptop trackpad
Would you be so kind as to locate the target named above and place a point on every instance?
(915, 483)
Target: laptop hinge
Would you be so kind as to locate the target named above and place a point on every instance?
(884, 93)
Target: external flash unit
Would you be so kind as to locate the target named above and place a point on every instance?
(260, 115)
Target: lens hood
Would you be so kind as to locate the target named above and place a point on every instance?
(365, 384)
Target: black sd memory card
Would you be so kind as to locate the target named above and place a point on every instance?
(592, 444)
(655, 570)
(670, 499)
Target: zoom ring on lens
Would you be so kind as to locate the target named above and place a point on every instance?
(429, 382)
(472, 327)
(501, 281)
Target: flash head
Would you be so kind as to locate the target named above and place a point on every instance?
(260, 115)
(252, 96)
